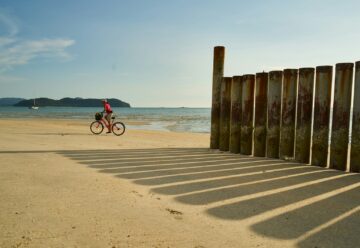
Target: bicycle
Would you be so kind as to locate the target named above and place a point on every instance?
(97, 126)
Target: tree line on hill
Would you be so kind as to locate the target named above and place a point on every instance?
(64, 102)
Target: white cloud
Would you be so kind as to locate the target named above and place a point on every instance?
(9, 24)
(15, 51)
(10, 79)
(20, 53)
(6, 41)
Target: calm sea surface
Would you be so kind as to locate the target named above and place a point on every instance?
(171, 119)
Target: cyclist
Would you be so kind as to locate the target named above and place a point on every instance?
(107, 114)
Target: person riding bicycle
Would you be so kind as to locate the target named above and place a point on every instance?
(107, 114)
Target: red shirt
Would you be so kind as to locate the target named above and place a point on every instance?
(107, 108)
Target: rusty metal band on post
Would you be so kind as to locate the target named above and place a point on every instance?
(247, 110)
(304, 113)
(355, 134)
(260, 114)
(274, 112)
(287, 132)
(320, 144)
(235, 116)
(341, 116)
(218, 73)
(225, 108)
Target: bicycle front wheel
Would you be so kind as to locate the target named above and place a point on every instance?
(118, 128)
(96, 127)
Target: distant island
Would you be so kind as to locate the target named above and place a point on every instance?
(10, 101)
(64, 102)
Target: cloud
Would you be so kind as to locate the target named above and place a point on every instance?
(15, 51)
(10, 79)
(9, 24)
(20, 53)
(6, 41)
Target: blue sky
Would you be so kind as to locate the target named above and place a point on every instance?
(159, 52)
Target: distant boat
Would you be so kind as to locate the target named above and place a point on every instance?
(34, 106)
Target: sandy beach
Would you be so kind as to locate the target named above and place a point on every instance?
(61, 186)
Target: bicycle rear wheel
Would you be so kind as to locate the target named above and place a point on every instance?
(118, 128)
(96, 127)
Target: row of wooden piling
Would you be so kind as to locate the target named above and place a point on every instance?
(286, 114)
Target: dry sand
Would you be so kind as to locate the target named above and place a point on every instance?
(61, 186)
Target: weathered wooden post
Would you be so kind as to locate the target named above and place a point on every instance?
(287, 132)
(304, 112)
(225, 106)
(355, 136)
(320, 144)
(235, 116)
(341, 116)
(218, 73)
(247, 113)
(274, 112)
(260, 114)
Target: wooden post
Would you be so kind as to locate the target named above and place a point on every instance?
(225, 107)
(247, 109)
(304, 112)
(235, 117)
(218, 73)
(320, 144)
(260, 114)
(341, 116)
(287, 132)
(355, 136)
(274, 112)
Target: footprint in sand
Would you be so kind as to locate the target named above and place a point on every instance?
(136, 193)
(176, 213)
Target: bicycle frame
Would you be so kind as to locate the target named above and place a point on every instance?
(104, 122)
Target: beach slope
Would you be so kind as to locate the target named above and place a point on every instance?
(61, 186)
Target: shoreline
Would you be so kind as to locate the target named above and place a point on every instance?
(130, 123)
(193, 120)
(80, 120)
(75, 134)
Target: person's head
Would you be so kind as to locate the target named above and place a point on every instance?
(104, 101)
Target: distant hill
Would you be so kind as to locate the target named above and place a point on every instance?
(9, 101)
(71, 102)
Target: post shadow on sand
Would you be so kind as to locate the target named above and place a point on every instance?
(275, 184)
(189, 173)
(248, 169)
(244, 190)
(251, 207)
(168, 164)
(344, 232)
(133, 165)
(303, 219)
(234, 180)
(180, 168)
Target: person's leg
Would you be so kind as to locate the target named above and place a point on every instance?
(108, 118)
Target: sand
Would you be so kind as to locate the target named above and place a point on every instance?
(61, 186)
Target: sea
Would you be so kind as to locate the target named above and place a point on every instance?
(196, 120)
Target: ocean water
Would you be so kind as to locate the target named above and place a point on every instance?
(168, 119)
